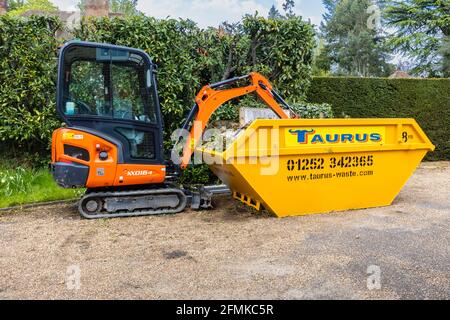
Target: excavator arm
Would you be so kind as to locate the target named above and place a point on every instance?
(212, 96)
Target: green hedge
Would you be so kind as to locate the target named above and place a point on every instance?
(28, 50)
(426, 100)
(188, 57)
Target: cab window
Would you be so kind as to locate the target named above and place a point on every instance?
(108, 83)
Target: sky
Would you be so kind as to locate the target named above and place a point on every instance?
(213, 12)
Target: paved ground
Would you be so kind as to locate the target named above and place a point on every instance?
(232, 253)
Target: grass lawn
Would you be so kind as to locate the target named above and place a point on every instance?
(23, 186)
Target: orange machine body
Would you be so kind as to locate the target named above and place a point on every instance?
(107, 172)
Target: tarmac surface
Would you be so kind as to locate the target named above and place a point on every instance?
(396, 252)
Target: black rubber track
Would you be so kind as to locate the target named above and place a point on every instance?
(141, 212)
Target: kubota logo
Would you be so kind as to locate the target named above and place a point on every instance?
(139, 173)
(310, 136)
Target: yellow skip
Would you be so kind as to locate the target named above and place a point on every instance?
(296, 167)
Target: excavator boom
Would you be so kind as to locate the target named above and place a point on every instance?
(212, 96)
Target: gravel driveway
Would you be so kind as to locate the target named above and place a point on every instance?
(396, 252)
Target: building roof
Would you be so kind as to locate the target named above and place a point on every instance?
(400, 74)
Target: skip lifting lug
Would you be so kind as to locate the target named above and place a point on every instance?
(200, 198)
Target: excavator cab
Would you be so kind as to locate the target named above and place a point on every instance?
(106, 93)
(112, 141)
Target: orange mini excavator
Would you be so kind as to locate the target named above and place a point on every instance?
(112, 143)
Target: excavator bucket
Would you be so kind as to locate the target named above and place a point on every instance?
(297, 167)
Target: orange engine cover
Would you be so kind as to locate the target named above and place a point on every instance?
(101, 173)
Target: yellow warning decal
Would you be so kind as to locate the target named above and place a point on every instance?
(72, 136)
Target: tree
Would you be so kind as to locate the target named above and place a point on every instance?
(352, 46)
(282, 49)
(330, 6)
(15, 4)
(126, 7)
(320, 67)
(445, 51)
(274, 13)
(422, 33)
(288, 7)
(17, 8)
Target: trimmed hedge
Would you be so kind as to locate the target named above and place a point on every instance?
(28, 50)
(188, 57)
(426, 100)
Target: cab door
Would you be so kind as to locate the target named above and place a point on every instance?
(110, 91)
